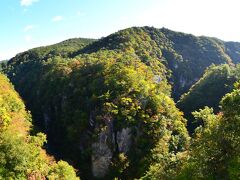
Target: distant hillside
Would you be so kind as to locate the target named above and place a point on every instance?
(3, 64)
(63, 49)
(208, 91)
(106, 104)
(233, 50)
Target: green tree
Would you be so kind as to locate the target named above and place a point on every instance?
(62, 171)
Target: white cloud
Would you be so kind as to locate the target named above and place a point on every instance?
(29, 27)
(57, 18)
(28, 38)
(27, 2)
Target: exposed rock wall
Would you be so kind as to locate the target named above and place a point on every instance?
(107, 143)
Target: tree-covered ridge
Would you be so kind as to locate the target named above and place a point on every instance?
(21, 155)
(12, 108)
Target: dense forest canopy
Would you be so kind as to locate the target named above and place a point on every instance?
(113, 107)
(21, 154)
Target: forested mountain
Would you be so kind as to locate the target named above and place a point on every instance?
(185, 55)
(107, 105)
(104, 107)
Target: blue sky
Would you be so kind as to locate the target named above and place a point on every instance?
(30, 23)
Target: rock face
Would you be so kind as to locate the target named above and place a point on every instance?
(108, 142)
(101, 156)
(124, 140)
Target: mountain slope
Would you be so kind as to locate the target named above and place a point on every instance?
(21, 155)
(214, 149)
